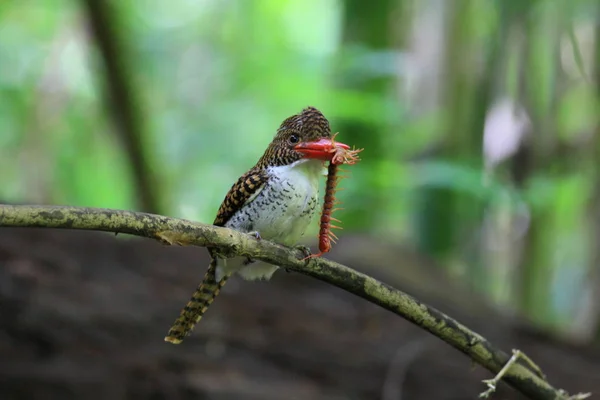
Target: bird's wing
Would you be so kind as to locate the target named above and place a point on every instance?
(241, 193)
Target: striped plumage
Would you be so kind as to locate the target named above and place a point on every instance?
(276, 199)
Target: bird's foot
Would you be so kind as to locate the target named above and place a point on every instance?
(256, 235)
(308, 254)
(305, 251)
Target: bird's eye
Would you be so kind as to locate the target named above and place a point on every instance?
(294, 139)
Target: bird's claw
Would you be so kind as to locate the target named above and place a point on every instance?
(256, 235)
(305, 250)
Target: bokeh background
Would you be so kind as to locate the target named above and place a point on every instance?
(479, 120)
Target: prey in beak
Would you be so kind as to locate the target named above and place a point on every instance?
(322, 149)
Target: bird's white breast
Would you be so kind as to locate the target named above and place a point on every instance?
(280, 212)
(283, 209)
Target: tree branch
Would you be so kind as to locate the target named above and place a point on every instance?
(231, 242)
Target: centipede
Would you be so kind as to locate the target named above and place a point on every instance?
(340, 156)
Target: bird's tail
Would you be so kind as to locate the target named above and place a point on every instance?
(195, 308)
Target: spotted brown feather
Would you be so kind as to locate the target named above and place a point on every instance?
(241, 191)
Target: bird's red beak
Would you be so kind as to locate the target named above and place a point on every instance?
(322, 149)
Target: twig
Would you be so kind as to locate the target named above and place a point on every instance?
(231, 242)
(492, 383)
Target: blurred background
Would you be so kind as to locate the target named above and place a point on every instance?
(479, 120)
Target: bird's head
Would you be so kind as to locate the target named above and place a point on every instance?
(302, 136)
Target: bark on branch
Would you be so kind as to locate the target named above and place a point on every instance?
(230, 242)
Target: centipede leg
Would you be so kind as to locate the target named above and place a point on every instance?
(340, 156)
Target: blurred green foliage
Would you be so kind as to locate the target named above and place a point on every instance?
(413, 82)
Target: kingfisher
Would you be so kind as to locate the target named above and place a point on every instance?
(275, 200)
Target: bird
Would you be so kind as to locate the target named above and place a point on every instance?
(275, 200)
